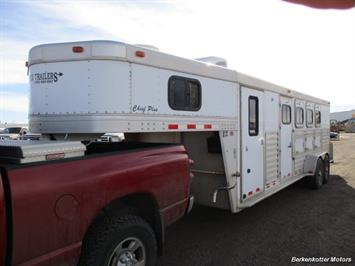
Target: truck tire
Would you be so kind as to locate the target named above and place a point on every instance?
(316, 180)
(124, 240)
(326, 172)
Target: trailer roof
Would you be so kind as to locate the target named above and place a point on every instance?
(112, 50)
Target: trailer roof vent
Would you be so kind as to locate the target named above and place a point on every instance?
(147, 46)
(219, 61)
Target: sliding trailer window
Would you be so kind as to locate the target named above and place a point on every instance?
(253, 116)
(286, 114)
(299, 117)
(318, 118)
(309, 115)
(184, 93)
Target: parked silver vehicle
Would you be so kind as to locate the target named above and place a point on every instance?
(13, 133)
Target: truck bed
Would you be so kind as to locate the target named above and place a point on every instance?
(54, 202)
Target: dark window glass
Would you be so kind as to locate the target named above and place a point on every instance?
(184, 93)
(286, 114)
(318, 118)
(309, 118)
(299, 117)
(253, 116)
(12, 130)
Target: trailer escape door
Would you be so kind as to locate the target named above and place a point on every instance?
(252, 147)
(286, 137)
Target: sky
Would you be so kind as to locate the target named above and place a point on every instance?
(304, 49)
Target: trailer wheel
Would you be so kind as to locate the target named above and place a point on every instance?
(125, 240)
(316, 180)
(326, 169)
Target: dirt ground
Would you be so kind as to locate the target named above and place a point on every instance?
(295, 222)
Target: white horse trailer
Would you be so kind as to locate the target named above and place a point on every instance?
(248, 138)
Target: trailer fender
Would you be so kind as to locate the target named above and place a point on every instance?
(310, 163)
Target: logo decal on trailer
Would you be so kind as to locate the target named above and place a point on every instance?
(46, 77)
(143, 109)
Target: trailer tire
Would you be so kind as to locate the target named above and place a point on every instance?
(316, 180)
(126, 238)
(326, 172)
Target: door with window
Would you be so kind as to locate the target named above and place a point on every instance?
(286, 137)
(252, 129)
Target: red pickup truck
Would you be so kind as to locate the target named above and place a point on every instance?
(109, 207)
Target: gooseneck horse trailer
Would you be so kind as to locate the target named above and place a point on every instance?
(248, 138)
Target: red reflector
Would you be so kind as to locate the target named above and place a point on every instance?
(55, 156)
(250, 193)
(191, 126)
(173, 126)
(207, 126)
(78, 49)
(140, 53)
(258, 189)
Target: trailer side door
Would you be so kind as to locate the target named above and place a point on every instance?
(286, 137)
(252, 148)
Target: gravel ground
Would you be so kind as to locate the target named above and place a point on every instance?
(296, 222)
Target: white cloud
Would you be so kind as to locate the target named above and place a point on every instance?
(14, 102)
(13, 56)
(302, 48)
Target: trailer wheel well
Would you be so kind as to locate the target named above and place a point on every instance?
(142, 205)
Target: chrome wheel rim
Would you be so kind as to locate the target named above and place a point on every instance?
(128, 252)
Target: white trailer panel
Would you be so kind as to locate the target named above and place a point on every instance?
(249, 138)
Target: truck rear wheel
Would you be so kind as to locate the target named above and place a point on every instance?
(326, 170)
(316, 180)
(119, 241)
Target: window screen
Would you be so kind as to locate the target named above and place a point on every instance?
(309, 117)
(286, 114)
(253, 116)
(318, 118)
(299, 117)
(184, 94)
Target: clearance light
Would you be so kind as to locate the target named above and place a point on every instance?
(140, 54)
(173, 126)
(78, 49)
